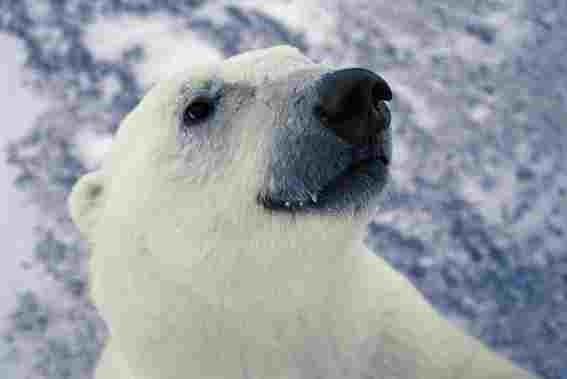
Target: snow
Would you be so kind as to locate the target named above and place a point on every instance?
(91, 148)
(17, 218)
(459, 150)
(169, 47)
(308, 17)
(423, 113)
(480, 113)
(490, 202)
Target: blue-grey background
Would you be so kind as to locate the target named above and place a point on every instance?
(475, 216)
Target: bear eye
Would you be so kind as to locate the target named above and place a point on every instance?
(198, 111)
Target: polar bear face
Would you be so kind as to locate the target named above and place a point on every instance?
(266, 137)
(222, 173)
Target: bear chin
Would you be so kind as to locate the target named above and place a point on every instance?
(350, 191)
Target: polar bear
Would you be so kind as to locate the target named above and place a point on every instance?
(225, 228)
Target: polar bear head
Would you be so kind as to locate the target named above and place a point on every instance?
(265, 159)
(265, 139)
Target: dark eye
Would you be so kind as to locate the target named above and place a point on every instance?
(198, 111)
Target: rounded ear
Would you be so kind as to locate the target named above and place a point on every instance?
(85, 201)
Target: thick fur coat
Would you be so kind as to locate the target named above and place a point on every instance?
(197, 280)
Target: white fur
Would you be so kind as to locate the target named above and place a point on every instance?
(196, 281)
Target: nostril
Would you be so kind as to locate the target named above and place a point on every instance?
(383, 113)
(352, 104)
(381, 91)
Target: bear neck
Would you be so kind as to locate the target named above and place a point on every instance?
(257, 256)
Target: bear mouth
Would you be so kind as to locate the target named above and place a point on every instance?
(351, 188)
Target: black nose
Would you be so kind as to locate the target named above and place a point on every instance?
(351, 103)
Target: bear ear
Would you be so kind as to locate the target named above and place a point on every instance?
(85, 201)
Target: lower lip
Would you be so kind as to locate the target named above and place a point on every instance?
(364, 155)
(356, 168)
(366, 162)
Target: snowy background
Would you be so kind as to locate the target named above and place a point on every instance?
(477, 209)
